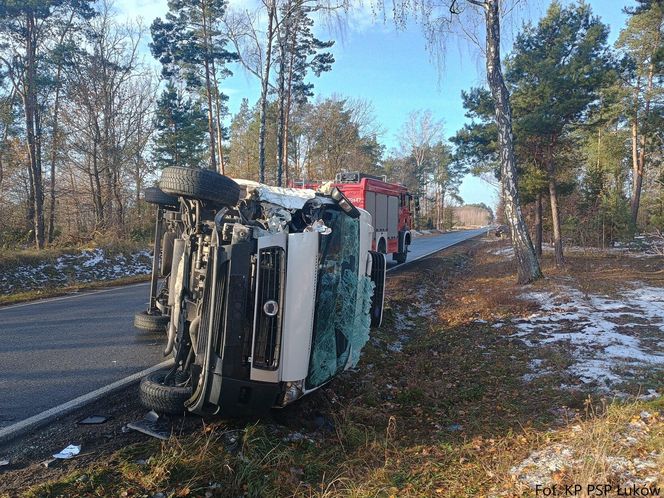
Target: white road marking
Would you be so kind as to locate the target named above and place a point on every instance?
(59, 411)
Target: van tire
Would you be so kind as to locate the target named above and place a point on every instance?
(202, 184)
(154, 195)
(153, 323)
(161, 398)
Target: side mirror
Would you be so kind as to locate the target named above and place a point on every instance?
(344, 203)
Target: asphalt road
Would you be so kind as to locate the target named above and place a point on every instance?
(422, 246)
(55, 350)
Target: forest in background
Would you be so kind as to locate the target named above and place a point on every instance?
(86, 122)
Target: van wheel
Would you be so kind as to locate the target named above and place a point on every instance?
(154, 323)
(382, 246)
(202, 184)
(157, 396)
(154, 195)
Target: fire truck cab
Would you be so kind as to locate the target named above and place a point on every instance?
(390, 207)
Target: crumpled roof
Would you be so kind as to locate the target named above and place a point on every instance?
(289, 198)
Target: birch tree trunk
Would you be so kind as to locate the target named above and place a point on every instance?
(528, 267)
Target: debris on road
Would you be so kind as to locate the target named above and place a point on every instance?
(151, 425)
(69, 452)
(4, 463)
(93, 420)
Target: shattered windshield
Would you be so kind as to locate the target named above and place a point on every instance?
(341, 320)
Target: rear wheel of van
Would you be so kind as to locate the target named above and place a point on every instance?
(151, 322)
(202, 184)
(163, 398)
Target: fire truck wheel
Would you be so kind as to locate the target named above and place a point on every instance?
(153, 323)
(400, 257)
(162, 398)
(202, 184)
(154, 195)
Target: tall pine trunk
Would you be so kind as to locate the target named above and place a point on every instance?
(56, 136)
(281, 92)
(217, 105)
(33, 132)
(639, 148)
(528, 267)
(538, 225)
(54, 155)
(264, 87)
(208, 92)
(555, 214)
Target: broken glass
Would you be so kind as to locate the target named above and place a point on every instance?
(341, 321)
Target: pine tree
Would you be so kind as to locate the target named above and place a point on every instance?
(190, 45)
(556, 72)
(299, 53)
(181, 126)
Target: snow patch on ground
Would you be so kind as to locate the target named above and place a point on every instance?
(405, 321)
(608, 338)
(622, 251)
(503, 251)
(85, 266)
(632, 251)
(541, 466)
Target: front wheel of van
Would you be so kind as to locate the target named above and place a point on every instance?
(163, 398)
(153, 323)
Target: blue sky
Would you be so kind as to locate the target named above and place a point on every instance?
(394, 71)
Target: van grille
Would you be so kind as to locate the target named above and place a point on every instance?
(267, 336)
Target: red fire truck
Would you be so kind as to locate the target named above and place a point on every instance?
(389, 205)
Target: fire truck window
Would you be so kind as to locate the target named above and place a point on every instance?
(341, 320)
